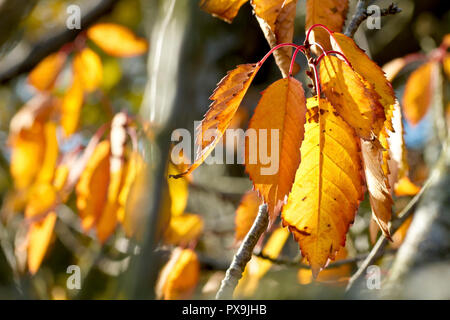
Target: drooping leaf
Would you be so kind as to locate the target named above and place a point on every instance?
(246, 214)
(226, 99)
(88, 66)
(418, 93)
(183, 229)
(258, 267)
(71, 106)
(355, 103)
(39, 237)
(223, 9)
(328, 185)
(44, 75)
(92, 188)
(377, 184)
(276, 19)
(282, 109)
(331, 13)
(179, 277)
(117, 40)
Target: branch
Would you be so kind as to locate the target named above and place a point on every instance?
(54, 42)
(361, 15)
(377, 250)
(243, 255)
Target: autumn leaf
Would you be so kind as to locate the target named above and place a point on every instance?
(332, 276)
(88, 66)
(39, 237)
(178, 189)
(405, 187)
(92, 188)
(223, 9)
(377, 184)
(258, 267)
(44, 75)
(71, 106)
(276, 19)
(179, 277)
(331, 13)
(446, 65)
(246, 214)
(226, 99)
(399, 236)
(183, 229)
(355, 103)
(418, 93)
(327, 188)
(282, 107)
(117, 40)
(393, 67)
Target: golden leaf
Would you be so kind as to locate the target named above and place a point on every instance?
(246, 214)
(282, 107)
(355, 103)
(88, 66)
(39, 237)
(331, 13)
(399, 236)
(327, 188)
(223, 9)
(117, 40)
(179, 277)
(44, 75)
(418, 92)
(404, 187)
(71, 106)
(178, 189)
(446, 65)
(183, 229)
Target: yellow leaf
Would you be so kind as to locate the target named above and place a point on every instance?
(355, 103)
(88, 66)
(377, 184)
(41, 199)
(258, 267)
(178, 189)
(418, 92)
(327, 187)
(404, 187)
(282, 107)
(71, 106)
(117, 40)
(331, 13)
(51, 152)
(39, 237)
(223, 9)
(446, 65)
(183, 229)
(226, 99)
(179, 277)
(332, 276)
(44, 75)
(92, 188)
(268, 10)
(246, 214)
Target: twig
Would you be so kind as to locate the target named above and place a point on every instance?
(361, 14)
(243, 255)
(54, 42)
(377, 250)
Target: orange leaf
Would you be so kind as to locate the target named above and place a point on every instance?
(276, 19)
(44, 75)
(39, 237)
(88, 66)
(92, 188)
(327, 188)
(331, 13)
(400, 235)
(183, 229)
(446, 65)
(418, 92)
(377, 184)
(282, 107)
(71, 106)
(178, 189)
(404, 187)
(246, 214)
(117, 40)
(179, 277)
(355, 103)
(223, 9)
(226, 99)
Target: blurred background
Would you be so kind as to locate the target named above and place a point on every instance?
(167, 88)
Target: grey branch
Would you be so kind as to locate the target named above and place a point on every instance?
(361, 14)
(55, 41)
(243, 255)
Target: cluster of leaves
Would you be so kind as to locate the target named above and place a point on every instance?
(344, 140)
